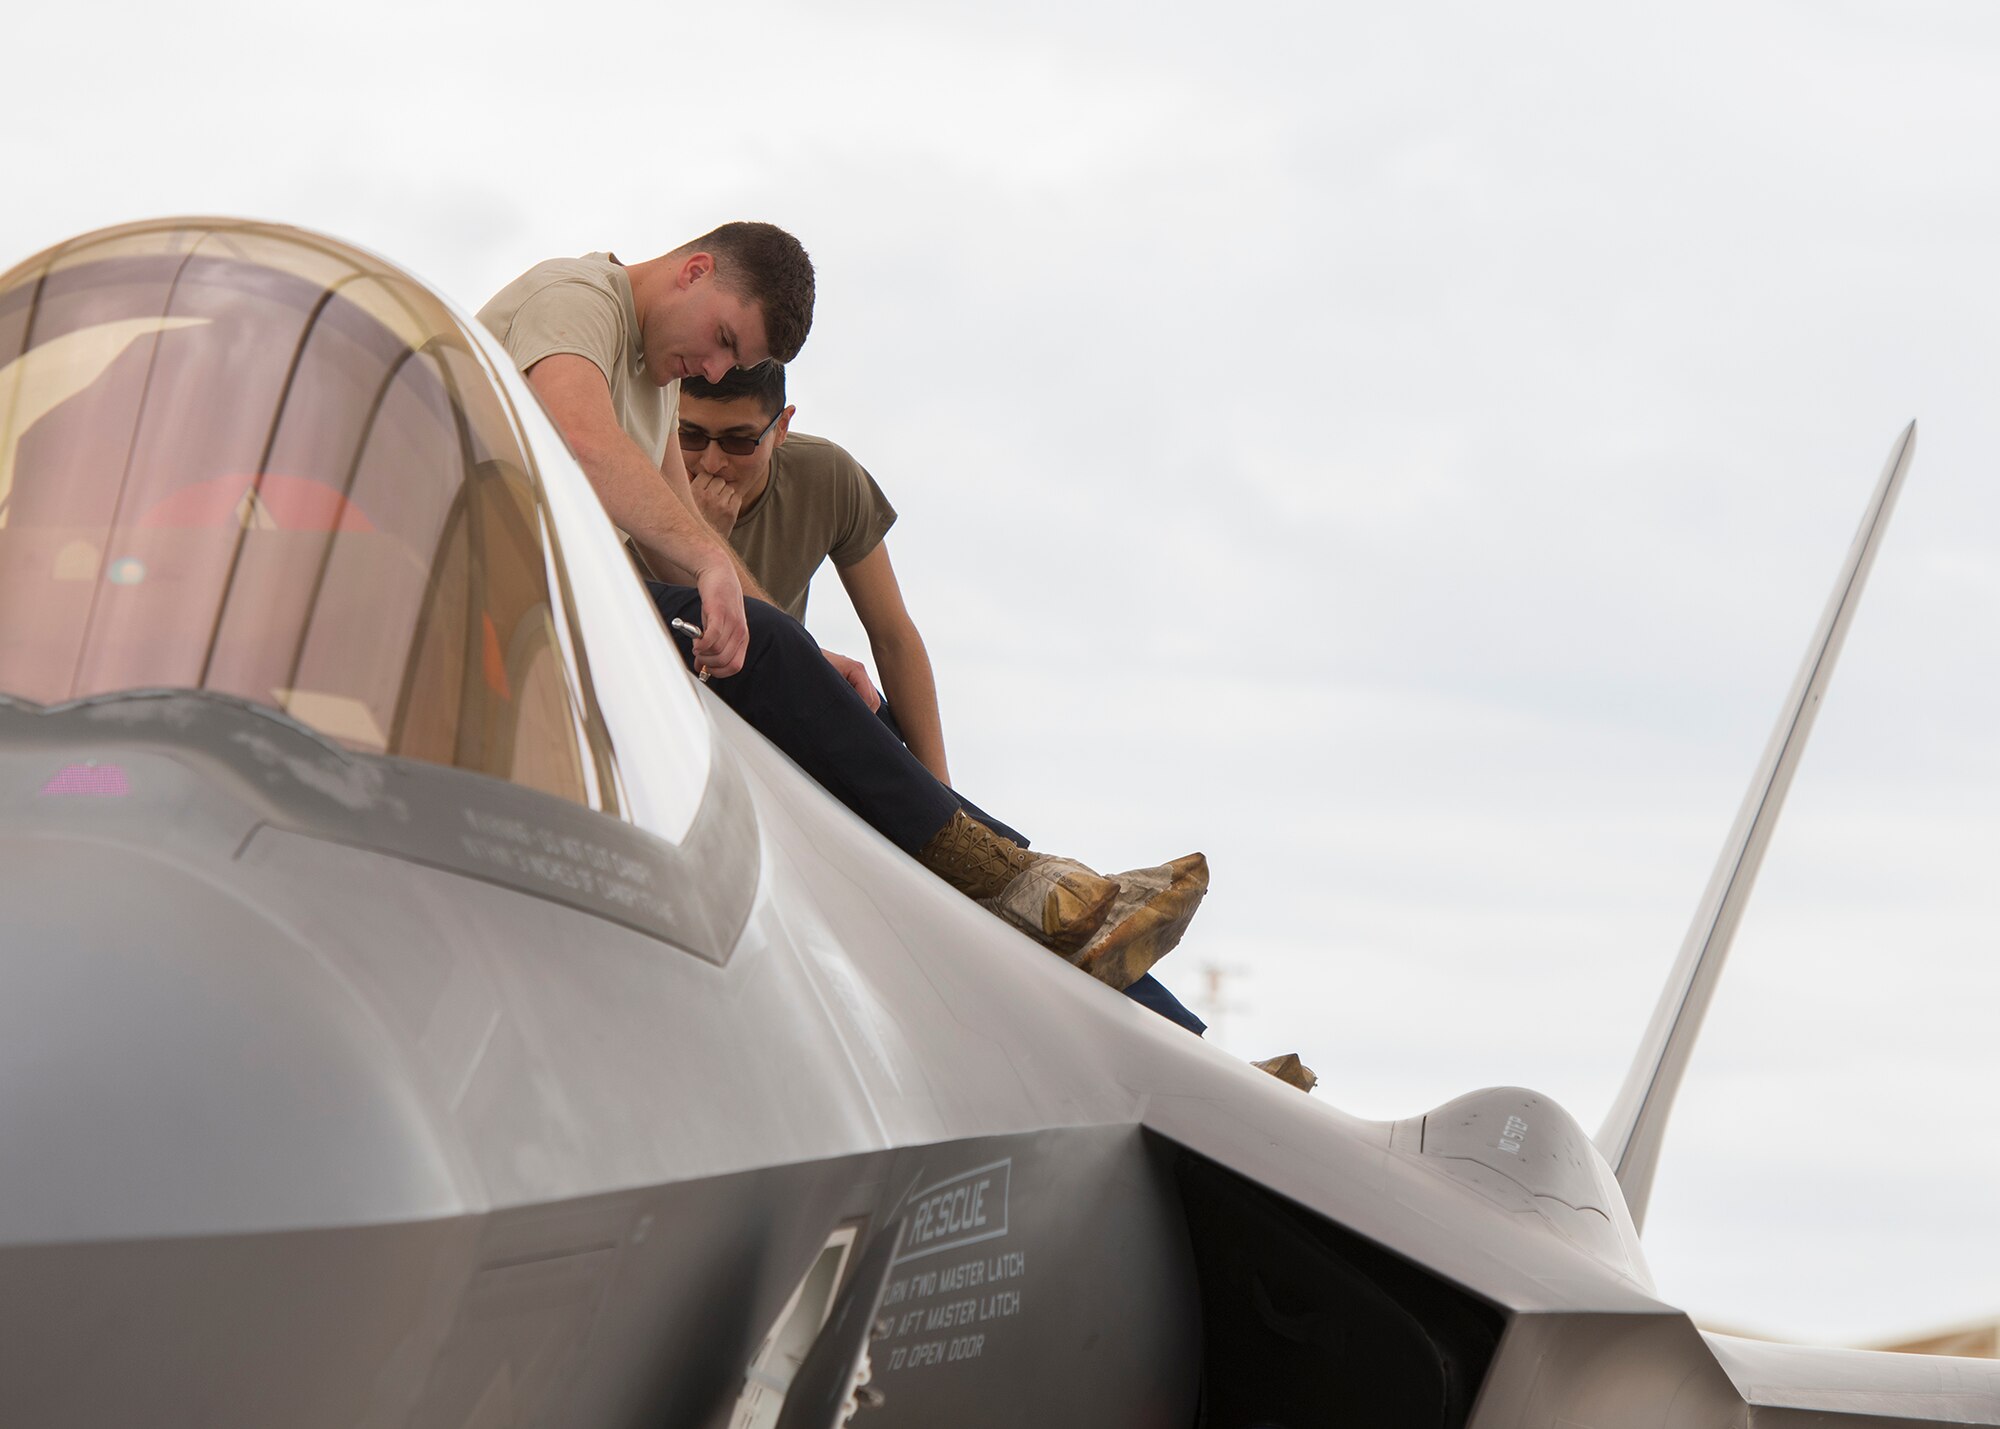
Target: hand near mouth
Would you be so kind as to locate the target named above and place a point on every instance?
(718, 501)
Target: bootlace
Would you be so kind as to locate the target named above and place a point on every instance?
(972, 858)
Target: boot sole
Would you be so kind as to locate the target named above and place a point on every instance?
(1289, 1070)
(1126, 951)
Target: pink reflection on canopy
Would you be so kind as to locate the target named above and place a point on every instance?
(290, 503)
(90, 781)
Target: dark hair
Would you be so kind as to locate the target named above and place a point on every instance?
(768, 266)
(765, 382)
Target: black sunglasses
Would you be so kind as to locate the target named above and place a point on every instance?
(694, 439)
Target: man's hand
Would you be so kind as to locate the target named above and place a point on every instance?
(725, 632)
(717, 500)
(856, 674)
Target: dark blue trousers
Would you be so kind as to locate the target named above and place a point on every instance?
(787, 692)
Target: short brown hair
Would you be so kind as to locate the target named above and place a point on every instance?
(771, 268)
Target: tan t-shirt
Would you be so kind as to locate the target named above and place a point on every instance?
(820, 503)
(584, 306)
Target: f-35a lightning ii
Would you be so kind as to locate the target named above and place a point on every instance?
(422, 1005)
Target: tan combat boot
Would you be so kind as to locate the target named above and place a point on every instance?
(1153, 908)
(1056, 901)
(1289, 1070)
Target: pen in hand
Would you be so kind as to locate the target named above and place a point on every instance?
(693, 632)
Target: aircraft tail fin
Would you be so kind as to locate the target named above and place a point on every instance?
(1632, 1133)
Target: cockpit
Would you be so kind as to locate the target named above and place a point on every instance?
(251, 461)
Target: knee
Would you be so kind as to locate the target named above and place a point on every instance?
(775, 636)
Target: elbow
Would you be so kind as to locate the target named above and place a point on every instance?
(898, 644)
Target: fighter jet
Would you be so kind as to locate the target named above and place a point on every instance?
(422, 1004)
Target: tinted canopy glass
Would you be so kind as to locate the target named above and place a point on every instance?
(250, 460)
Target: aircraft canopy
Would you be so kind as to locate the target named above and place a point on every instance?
(246, 459)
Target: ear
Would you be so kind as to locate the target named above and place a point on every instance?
(694, 268)
(784, 426)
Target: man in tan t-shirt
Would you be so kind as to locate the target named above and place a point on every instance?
(604, 345)
(787, 502)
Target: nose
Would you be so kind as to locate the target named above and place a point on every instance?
(710, 460)
(716, 368)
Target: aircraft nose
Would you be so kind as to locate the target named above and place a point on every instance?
(175, 1062)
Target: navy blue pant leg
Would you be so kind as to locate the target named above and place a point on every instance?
(972, 810)
(1149, 991)
(788, 693)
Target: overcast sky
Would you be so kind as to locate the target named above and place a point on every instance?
(1401, 451)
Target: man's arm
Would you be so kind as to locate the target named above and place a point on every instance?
(900, 657)
(641, 499)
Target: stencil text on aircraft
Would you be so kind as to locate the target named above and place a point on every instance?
(927, 1313)
(969, 1207)
(940, 1312)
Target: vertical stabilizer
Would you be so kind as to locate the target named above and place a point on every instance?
(1631, 1136)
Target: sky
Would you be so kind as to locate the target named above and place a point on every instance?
(1400, 451)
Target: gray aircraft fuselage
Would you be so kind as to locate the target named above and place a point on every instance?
(342, 1085)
